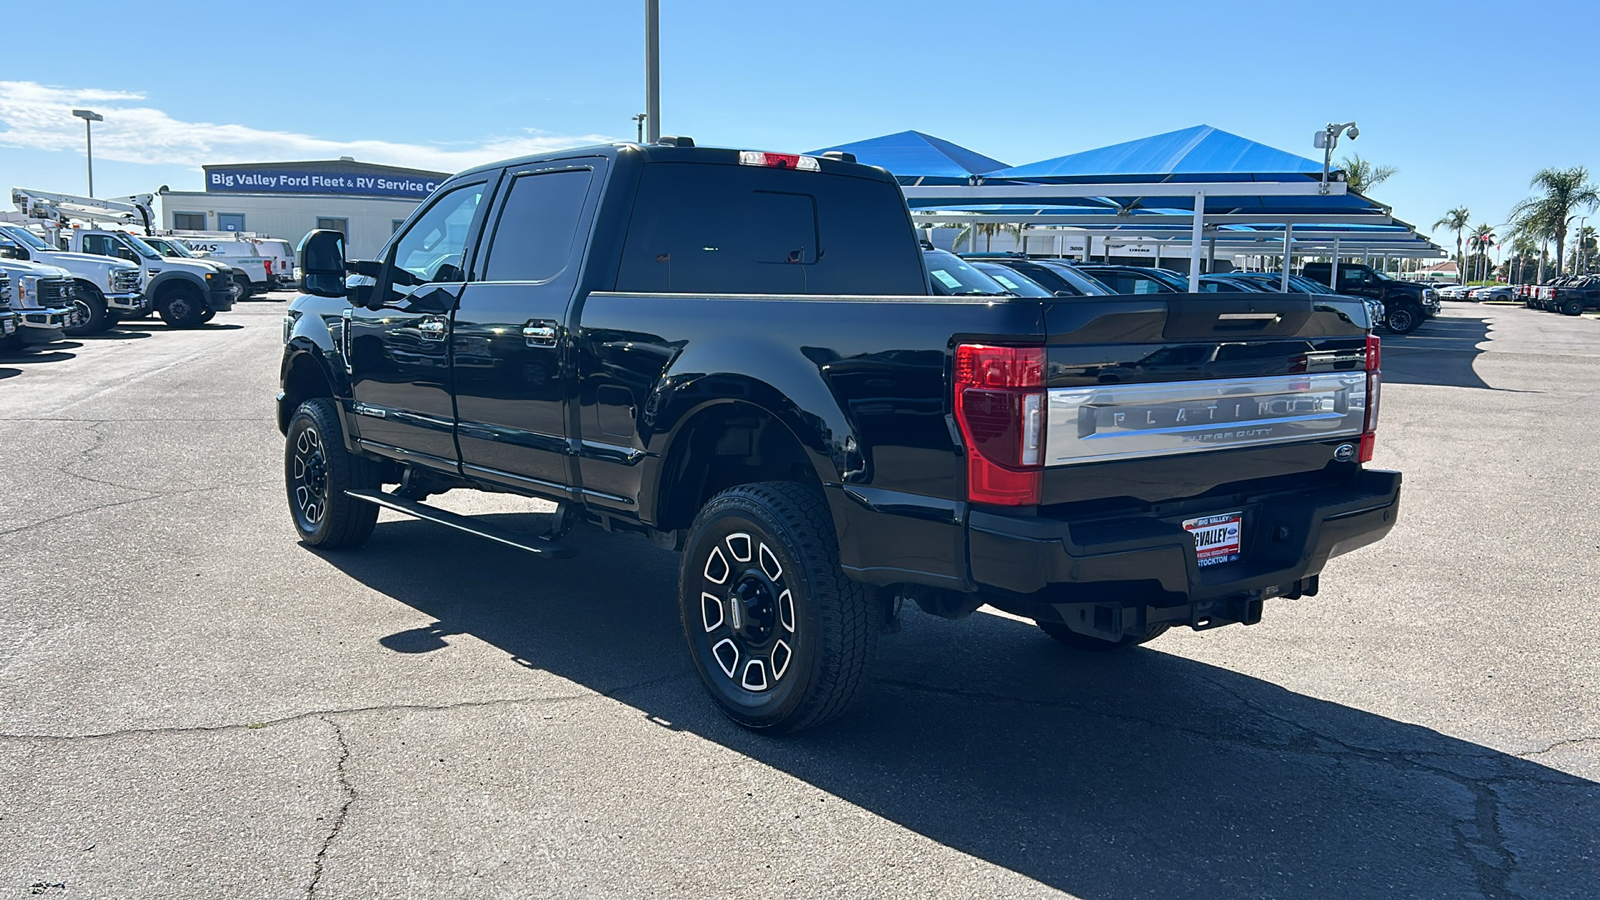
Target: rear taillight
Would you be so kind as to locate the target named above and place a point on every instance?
(268, 263)
(779, 160)
(1369, 436)
(1000, 406)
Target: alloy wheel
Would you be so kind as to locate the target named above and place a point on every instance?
(747, 612)
(310, 475)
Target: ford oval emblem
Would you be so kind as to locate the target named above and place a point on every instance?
(1344, 452)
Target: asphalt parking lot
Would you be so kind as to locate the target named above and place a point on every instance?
(194, 705)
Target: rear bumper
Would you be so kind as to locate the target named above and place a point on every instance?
(1111, 576)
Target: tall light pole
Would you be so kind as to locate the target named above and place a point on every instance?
(1327, 139)
(652, 69)
(88, 118)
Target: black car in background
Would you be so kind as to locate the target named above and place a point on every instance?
(1058, 276)
(1012, 280)
(1138, 279)
(951, 275)
(1406, 305)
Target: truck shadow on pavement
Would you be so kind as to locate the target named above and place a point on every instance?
(1137, 774)
(1441, 352)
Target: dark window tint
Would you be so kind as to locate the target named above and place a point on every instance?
(1076, 282)
(721, 229)
(189, 221)
(538, 226)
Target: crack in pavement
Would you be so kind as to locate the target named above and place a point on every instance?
(1482, 848)
(1568, 742)
(343, 812)
(298, 717)
(611, 694)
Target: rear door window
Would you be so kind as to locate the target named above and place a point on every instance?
(724, 229)
(537, 229)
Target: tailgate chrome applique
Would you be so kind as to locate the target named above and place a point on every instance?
(1128, 421)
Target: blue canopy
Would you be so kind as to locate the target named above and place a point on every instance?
(1201, 153)
(912, 155)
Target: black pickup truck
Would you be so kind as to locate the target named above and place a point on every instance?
(1406, 305)
(739, 355)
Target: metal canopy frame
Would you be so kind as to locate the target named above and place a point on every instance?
(1237, 229)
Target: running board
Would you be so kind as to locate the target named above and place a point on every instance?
(536, 545)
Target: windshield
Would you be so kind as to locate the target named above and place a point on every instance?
(143, 249)
(1169, 278)
(1013, 281)
(26, 237)
(170, 248)
(1087, 285)
(952, 276)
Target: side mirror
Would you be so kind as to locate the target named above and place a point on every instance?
(125, 253)
(322, 263)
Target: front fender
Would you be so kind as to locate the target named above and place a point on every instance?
(311, 349)
(166, 281)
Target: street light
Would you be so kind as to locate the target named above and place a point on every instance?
(88, 118)
(1327, 139)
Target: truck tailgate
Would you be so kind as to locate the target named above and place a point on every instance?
(1264, 386)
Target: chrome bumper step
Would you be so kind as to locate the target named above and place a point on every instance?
(536, 545)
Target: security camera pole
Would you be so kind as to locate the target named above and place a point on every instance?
(1327, 139)
(88, 118)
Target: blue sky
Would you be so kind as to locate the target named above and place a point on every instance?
(448, 85)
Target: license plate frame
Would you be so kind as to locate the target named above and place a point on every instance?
(1218, 538)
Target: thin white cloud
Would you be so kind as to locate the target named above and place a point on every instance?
(35, 116)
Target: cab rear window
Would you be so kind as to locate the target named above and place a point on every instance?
(720, 229)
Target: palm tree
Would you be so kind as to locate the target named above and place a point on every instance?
(1584, 249)
(986, 230)
(1565, 190)
(1361, 175)
(1482, 239)
(1457, 220)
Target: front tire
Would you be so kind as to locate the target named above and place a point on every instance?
(1402, 320)
(317, 470)
(182, 308)
(780, 637)
(91, 308)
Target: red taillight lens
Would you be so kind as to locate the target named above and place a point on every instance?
(779, 160)
(1369, 436)
(1000, 406)
(269, 265)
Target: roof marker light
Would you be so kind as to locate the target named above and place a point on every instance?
(779, 160)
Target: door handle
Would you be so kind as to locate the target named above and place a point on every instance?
(540, 334)
(432, 328)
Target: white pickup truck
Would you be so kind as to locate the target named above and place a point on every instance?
(253, 270)
(185, 292)
(104, 290)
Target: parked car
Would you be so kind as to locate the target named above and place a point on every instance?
(186, 292)
(1225, 284)
(251, 269)
(1273, 281)
(1012, 280)
(950, 275)
(1058, 276)
(736, 355)
(1138, 279)
(1574, 295)
(39, 298)
(1405, 305)
(103, 290)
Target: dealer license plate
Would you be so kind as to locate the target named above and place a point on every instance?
(1216, 538)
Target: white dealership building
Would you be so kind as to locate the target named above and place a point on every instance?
(288, 199)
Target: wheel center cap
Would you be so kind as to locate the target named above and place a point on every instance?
(750, 609)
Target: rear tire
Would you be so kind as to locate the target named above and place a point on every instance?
(91, 309)
(1572, 308)
(781, 638)
(1077, 641)
(182, 307)
(317, 470)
